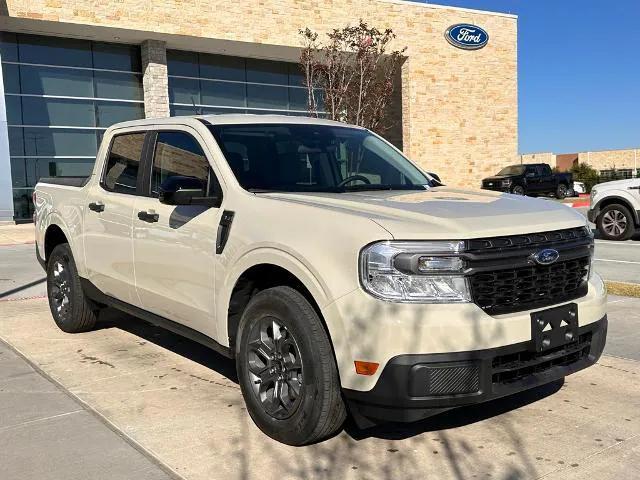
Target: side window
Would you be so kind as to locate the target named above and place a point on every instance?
(546, 170)
(531, 172)
(123, 163)
(178, 153)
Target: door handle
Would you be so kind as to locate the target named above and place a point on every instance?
(149, 216)
(96, 206)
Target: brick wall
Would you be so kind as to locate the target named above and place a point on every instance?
(459, 108)
(610, 159)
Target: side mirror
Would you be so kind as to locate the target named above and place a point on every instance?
(530, 175)
(435, 176)
(181, 190)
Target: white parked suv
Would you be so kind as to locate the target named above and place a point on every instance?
(334, 270)
(615, 208)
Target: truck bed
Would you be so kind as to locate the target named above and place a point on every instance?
(68, 181)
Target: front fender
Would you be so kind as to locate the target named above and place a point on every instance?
(287, 260)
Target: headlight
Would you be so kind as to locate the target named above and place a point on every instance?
(418, 272)
(506, 183)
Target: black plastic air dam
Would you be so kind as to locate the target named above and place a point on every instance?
(393, 398)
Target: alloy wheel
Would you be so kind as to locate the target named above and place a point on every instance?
(60, 289)
(275, 368)
(614, 223)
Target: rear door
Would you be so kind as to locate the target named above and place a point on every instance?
(108, 218)
(174, 246)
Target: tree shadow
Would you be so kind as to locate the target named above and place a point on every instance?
(456, 417)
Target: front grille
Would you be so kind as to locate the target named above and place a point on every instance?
(517, 289)
(504, 278)
(515, 366)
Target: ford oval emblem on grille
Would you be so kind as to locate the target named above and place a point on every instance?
(546, 256)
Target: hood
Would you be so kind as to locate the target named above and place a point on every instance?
(618, 184)
(497, 178)
(445, 213)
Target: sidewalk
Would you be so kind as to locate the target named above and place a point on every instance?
(46, 434)
(17, 234)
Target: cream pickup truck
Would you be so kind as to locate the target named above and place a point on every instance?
(338, 275)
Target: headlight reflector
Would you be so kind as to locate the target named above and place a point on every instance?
(420, 272)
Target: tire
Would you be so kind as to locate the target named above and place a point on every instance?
(518, 190)
(561, 191)
(306, 363)
(615, 222)
(72, 311)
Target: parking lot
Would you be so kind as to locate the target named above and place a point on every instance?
(144, 403)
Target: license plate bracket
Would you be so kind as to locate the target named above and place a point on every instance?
(554, 327)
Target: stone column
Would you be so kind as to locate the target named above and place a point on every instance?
(155, 82)
(6, 187)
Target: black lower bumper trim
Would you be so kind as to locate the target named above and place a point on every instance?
(413, 387)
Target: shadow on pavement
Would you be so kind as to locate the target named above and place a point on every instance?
(456, 417)
(111, 318)
(22, 287)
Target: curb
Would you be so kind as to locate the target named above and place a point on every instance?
(623, 288)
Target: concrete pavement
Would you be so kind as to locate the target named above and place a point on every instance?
(181, 402)
(46, 434)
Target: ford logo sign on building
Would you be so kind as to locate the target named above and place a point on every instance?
(466, 36)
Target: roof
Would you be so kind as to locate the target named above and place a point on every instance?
(248, 118)
(235, 118)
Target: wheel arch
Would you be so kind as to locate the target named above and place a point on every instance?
(618, 200)
(260, 269)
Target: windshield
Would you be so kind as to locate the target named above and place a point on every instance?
(301, 158)
(512, 170)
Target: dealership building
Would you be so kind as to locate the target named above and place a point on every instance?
(71, 69)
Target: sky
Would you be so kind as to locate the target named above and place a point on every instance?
(578, 72)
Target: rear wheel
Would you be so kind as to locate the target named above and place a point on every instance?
(72, 311)
(615, 222)
(561, 191)
(286, 368)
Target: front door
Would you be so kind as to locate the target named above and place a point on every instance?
(174, 246)
(108, 219)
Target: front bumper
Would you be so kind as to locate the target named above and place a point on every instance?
(413, 387)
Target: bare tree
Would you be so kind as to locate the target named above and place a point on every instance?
(350, 77)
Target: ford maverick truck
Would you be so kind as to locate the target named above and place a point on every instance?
(339, 275)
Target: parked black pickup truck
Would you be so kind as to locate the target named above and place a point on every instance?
(530, 179)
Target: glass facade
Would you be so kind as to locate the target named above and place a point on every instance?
(202, 83)
(61, 94)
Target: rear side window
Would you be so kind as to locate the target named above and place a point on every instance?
(123, 163)
(179, 154)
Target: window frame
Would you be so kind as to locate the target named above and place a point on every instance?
(149, 154)
(141, 166)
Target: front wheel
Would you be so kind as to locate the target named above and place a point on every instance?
(518, 190)
(72, 311)
(286, 368)
(615, 222)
